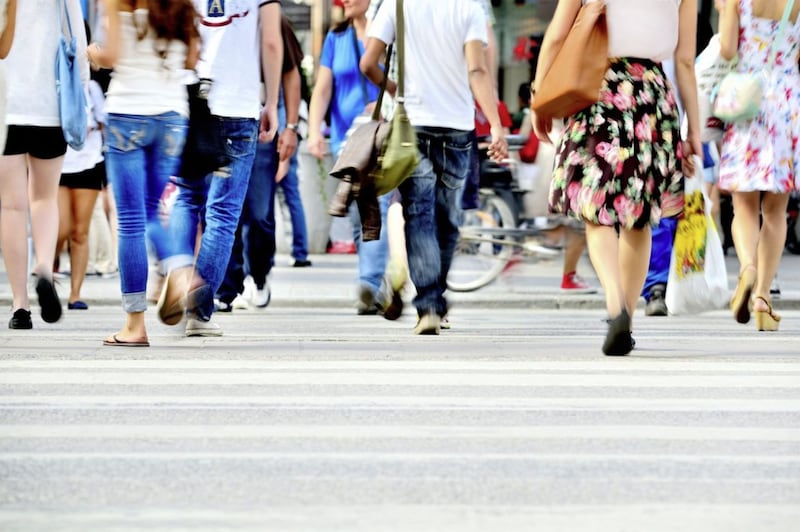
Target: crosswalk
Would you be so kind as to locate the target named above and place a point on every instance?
(509, 422)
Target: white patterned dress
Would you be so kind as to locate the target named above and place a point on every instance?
(763, 154)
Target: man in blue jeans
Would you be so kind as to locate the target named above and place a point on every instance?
(240, 39)
(441, 107)
(253, 250)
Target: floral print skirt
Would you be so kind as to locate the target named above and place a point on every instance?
(618, 162)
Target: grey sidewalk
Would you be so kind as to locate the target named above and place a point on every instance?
(331, 283)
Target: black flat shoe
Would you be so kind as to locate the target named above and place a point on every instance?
(618, 340)
(21, 319)
(48, 300)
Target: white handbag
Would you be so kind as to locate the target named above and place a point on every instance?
(741, 93)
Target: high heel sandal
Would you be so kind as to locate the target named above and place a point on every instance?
(766, 320)
(740, 302)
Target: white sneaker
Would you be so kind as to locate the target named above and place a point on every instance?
(240, 303)
(197, 327)
(262, 296)
(249, 287)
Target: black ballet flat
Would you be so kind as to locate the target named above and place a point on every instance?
(619, 341)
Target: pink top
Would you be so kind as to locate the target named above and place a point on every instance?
(647, 29)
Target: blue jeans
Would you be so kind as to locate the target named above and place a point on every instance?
(143, 153)
(253, 249)
(290, 185)
(219, 198)
(432, 210)
(372, 255)
(663, 236)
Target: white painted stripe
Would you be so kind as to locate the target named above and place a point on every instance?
(416, 402)
(602, 365)
(429, 517)
(375, 432)
(380, 456)
(421, 378)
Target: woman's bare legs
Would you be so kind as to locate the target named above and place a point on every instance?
(634, 260)
(621, 264)
(745, 228)
(64, 218)
(43, 178)
(603, 244)
(13, 226)
(771, 240)
(76, 206)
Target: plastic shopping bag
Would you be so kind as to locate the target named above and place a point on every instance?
(698, 280)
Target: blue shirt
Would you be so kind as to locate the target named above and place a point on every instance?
(348, 99)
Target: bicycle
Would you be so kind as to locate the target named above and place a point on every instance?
(490, 236)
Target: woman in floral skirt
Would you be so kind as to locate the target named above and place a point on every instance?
(620, 162)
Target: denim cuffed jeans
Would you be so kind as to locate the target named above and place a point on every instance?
(216, 201)
(432, 211)
(143, 153)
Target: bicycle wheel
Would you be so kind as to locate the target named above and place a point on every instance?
(485, 245)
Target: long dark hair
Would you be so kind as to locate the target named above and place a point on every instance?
(171, 20)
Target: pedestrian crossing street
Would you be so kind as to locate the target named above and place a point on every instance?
(308, 423)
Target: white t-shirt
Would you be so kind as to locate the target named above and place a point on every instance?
(642, 28)
(230, 56)
(144, 83)
(436, 83)
(30, 66)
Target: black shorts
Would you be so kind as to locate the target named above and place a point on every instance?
(93, 178)
(37, 141)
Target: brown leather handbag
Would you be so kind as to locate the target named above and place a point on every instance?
(574, 79)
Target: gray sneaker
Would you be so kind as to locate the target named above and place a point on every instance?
(657, 306)
(428, 324)
(367, 304)
(198, 327)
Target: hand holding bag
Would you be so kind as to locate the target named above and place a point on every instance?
(698, 279)
(69, 87)
(741, 93)
(575, 78)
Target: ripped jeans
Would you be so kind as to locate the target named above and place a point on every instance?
(143, 153)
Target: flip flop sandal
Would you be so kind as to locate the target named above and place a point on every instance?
(116, 342)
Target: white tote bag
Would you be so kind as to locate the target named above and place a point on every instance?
(698, 278)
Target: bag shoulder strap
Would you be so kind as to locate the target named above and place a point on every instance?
(400, 50)
(376, 113)
(62, 12)
(773, 48)
(357, 50)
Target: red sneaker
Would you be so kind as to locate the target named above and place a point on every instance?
(342, 248)
(573, 283)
